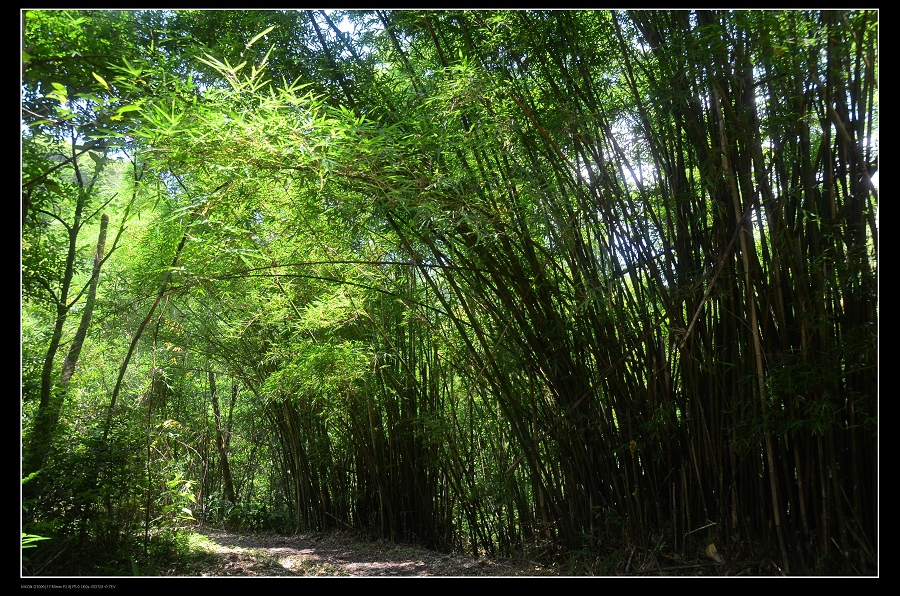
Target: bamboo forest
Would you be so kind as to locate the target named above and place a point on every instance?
(583, 286)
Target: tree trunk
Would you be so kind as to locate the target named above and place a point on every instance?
(49, 409)
(220, 440)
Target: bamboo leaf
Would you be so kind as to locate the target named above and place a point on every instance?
(52, 186)
(102, 81)
(255, 39)
(98, 160)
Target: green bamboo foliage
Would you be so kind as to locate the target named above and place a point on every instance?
(556, 281)
(667, 318)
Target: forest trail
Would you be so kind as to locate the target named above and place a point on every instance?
(452, 277)
(343, 554)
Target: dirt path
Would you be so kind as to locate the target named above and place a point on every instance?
(339, 554)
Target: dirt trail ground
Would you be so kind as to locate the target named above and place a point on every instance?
(340, 554)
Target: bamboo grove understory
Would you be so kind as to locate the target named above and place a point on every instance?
(560, 282)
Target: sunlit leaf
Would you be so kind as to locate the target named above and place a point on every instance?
(102, 81)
